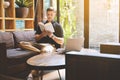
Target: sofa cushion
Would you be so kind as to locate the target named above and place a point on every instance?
(23, 36)
(19, 53)
(7, 37)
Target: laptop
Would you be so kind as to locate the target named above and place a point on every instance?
(74, 44)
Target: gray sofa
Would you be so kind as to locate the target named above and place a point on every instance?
(12, 58)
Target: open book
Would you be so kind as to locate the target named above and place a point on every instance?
(47, 26)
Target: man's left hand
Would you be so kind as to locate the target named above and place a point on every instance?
(50, 34)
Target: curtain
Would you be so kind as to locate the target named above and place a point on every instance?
(38, 12)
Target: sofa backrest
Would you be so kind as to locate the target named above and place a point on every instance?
(23, 36)
(7, 37)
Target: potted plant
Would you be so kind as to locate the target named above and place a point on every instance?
(23, 8)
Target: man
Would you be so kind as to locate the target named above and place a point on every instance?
(55, 38)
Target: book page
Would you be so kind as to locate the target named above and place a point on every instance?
(42, 26)
(49, 27)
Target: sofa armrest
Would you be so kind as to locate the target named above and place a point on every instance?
(6, 77)
(3, 52)
(3, 56)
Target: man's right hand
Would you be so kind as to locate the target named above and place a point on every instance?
(39, 36)
(44, 33)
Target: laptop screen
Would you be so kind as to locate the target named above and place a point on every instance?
(74, 44)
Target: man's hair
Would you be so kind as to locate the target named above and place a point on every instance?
(50, 9)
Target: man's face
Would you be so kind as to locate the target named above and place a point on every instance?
(50, 15)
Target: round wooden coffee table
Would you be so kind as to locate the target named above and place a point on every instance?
(46, 61)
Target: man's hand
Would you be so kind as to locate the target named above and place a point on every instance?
(50, 34)
(44, 33)
(39, 36)
(55, 38)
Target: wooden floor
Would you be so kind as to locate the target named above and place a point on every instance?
(52, 75)
(48, 75)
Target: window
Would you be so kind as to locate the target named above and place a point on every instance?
(72, 17)
(104, 22)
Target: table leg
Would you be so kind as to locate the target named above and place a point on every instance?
(59, 74)
(35, 74)
(41, 74)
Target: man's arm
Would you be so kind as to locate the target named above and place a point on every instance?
(39, 36)
(58, 40)
(58, 36)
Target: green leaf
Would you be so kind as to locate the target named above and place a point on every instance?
(67, 18)
(24, 3)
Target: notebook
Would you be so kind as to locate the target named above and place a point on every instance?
(74, 44)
